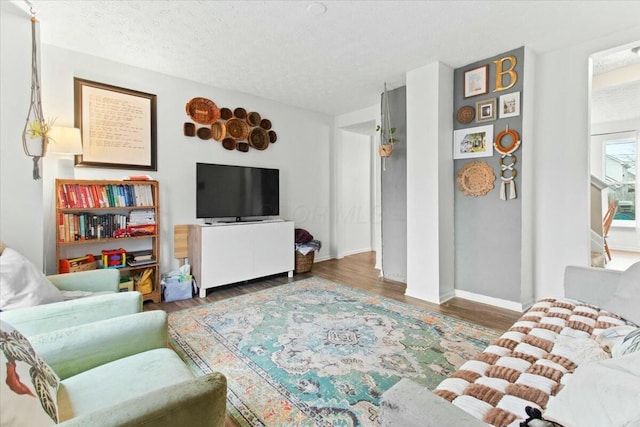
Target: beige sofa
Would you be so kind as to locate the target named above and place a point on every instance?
(567, 357)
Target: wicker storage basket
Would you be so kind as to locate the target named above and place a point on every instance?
(304, 262)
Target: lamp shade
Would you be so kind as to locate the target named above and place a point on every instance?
(65, 140)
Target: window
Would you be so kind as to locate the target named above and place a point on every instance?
(620, 157)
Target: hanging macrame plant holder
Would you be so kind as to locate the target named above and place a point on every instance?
(385, 150)
(36, 128)
(386, 131)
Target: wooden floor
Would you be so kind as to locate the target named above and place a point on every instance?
(357, 271)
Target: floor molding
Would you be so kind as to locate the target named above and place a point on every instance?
(498, 302)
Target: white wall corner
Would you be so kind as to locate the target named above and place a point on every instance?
(429, 160)
(528, 226)
(446, 186)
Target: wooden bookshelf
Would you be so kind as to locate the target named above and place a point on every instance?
(96, 215)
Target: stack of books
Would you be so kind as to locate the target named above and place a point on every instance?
(139, 258)
(142, 216)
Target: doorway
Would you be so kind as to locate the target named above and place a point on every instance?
(614, 155)
(358, 213)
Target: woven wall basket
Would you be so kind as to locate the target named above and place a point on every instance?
(476, 179)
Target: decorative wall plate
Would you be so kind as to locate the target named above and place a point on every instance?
(466, 114)
(476, 178)
(203, 111)
(237, 128)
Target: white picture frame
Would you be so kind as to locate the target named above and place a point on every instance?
(473, 142)
(509, 105)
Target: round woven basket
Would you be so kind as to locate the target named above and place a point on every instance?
(203, 111)
(304, 263)
(218, 131)
(240, 113)
(259, 139)
(189, 129)
(229, 143)
(226, 113)
(273, 137)
(466, 114)
(242, 147)
(237, 129)
(476, 179)
(204, 133)
(265, 124)
(253, 118)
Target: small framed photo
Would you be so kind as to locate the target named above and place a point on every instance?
(486, 110)
(509, 105)
(476, 81)
(473, 142)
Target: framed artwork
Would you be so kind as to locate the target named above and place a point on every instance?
(486, 110)
(509, 105)
(476, 81)
(118, 126)
(473, 142)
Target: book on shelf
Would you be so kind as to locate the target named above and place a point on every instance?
(91, 196)
(140, 263)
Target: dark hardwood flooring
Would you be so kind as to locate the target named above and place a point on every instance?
(358, 272)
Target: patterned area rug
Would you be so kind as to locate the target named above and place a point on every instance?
(314, 352)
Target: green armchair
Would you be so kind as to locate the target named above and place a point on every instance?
(120, 372)
(46, 318)
(24, 285)
(103, 280)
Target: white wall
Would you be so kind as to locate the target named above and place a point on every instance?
(21, 225)
(354, 215)
(301, 151)
(363, 122)
(561, 164)
(430, 239)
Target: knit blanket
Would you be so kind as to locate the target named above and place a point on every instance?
(530, 362)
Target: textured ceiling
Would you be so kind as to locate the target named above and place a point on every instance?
(334, 62)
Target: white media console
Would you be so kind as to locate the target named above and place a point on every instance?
(224, 253)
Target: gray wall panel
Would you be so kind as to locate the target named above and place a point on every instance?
(394, 193)
(488, 229)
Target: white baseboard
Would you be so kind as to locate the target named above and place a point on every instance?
(498, 302)
(317, 258)
(356, 251)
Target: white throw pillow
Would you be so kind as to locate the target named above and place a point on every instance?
(22, 285)
(625, 302)
(604, 393)
(28, 386)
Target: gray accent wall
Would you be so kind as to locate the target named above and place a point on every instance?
(394, 193)
(488, 242)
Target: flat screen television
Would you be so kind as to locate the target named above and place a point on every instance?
(224, 191)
